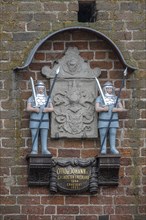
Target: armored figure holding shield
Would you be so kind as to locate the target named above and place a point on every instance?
(39, 105)
(108, 106)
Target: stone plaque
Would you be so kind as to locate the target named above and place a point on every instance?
(73, 97)
(74, 113)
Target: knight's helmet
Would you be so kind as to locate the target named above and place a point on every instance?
(108, 85)
(41, 98)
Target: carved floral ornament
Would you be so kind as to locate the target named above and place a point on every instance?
(73, 97)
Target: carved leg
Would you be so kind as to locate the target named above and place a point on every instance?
(102, 132)
(112, 136)
(35, 145)
(44, 139)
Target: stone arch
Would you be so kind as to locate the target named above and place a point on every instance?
(97, 33)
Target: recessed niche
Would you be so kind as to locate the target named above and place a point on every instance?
(87, 11)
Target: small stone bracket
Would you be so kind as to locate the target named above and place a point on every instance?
(39, 168)
(108, 169)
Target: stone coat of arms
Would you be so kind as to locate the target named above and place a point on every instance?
(73, 97)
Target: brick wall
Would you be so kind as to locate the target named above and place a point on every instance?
(24, 23)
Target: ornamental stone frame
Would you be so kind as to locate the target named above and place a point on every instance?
(73, 97)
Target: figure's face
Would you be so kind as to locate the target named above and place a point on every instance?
(40, 89)
(109, 90)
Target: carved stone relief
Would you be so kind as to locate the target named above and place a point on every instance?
(73, 97)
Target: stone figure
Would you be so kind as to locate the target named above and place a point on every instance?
(108, 117)
(36, 104)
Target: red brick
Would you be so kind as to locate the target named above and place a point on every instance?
(88, 153)
(22, 181)
(125, 200)
(89, 144)
(77, 200)
(39, 56)
(126, 209)
(101, 64)
(144, 180)
(28, 200)
(109, 209)
(50, 210)
(100, 45)
(133, 191)
(15, 190)
(91, 210)
(121, 217)
(51, 57)
(38, 191)
(113, 191)
(46, 46)
(89, 217)
(37, 66)
(125, 181)
(67, 210)
(116, 74)
(54, 200)
(73, 144)
(68, 153)
(142, 209)
(58, 45)
(79, 45)
(100, 200)
(100, 55)
(8, 200)
(143, 152)
(87, 55)
(15, 209)
(39, 217)
(4, 190)
(62, 217)
(126, 161)
(15, 217)
(39, 209)
(126, 152)
(142, 200)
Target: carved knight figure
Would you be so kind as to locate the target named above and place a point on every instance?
(105, 112)
(39, 125)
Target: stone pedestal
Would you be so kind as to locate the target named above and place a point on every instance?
(108, 169)
(39, 168)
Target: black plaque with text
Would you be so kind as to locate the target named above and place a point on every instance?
(74, 176)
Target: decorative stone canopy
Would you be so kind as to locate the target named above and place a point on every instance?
(98, 34)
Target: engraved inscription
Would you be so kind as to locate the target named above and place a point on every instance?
(73, 178)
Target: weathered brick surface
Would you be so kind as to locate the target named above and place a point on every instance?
(23, 25)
